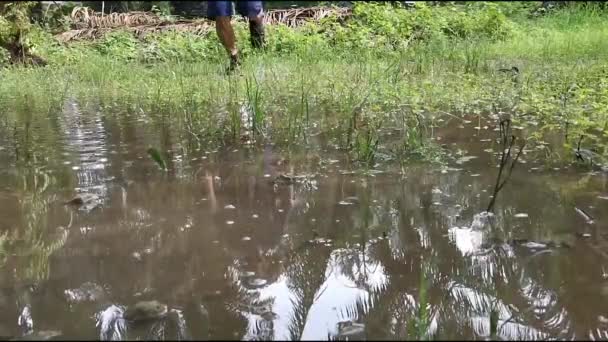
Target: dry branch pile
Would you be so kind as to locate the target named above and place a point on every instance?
(84, 17)
(88, 24)
(297, 16)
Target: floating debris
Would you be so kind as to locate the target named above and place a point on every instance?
(86, 292)
(257, 282)
(82, 199)
(229, 222)
(588, 219)
(481, 220)
(345, 203)
(350, 329)
(291, 179)
(246, 238)
(255, 216)
(465, 159)
(229, 206)
(146, 310)
(534, 245)
(521, 215)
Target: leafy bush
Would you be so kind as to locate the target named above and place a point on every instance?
(14, 21)
(382, 25)
(119, 44)
(4, 57)
(282, 39)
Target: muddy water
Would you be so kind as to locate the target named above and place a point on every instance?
(391, 254)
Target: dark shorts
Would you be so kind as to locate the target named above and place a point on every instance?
(224, 8)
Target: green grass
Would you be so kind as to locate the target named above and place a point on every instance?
(312, 84)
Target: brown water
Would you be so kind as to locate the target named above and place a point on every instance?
(403, 253)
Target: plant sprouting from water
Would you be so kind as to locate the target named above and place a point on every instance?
(157, 158)
(507, 162)
(255, 108)
(366, 142)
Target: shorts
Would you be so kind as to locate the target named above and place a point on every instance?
(224, 8)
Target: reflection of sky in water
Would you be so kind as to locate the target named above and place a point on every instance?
(337, 293)
(325, 314)
(282, 307)
(467, 240)
(479, 305)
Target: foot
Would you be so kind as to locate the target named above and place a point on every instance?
(234, 64)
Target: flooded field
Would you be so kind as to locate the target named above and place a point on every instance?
(248, 244)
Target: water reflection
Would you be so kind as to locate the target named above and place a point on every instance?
(86, 148)
(237, 256)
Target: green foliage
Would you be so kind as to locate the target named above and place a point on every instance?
(158, 158)
(14, 21)
(382, 25)
(174, 46)
(118, 44)
(285, 40)
(477, 20)
(4, 57)
(53, 17)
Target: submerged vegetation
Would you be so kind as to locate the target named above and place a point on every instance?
(375, 81)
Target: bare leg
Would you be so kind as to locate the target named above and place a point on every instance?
(225, 33)
(224, 30)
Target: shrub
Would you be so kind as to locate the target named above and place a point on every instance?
(119, 44)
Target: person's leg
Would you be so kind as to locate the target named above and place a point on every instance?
(221, 12)
(255, 12)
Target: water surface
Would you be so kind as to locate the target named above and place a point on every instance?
(405, 252)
